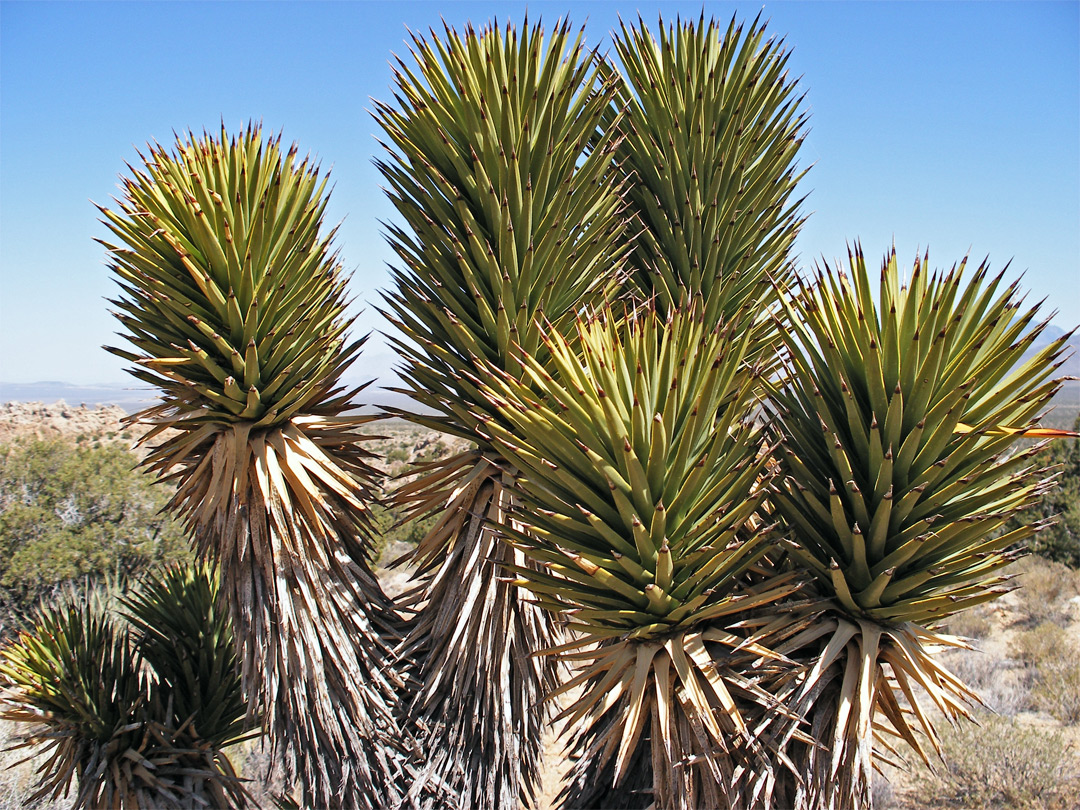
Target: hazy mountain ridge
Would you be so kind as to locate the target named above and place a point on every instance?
(133, 397)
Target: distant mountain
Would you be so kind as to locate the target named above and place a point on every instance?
(129, 398)
(1071, 367)
(132, 398)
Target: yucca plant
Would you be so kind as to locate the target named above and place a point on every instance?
(899, 425)
(642, 479)
(235, 305)
(709, 127)
(708, 142)
(186, 637)
(510, 227)
(629, 458)
(107, 706)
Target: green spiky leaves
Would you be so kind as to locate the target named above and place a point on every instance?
(76, 674)
(711, 131)
(236, 304)
(187, 637)
(232, 296)
(634, 484)
(896, 425)
(511, 226)
(137, 714)
(641, 474)
(495, 168)
(897, 472)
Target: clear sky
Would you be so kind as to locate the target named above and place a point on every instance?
(953, 125)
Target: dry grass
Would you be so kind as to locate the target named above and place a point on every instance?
(975, 623)
(1057, 684)
(1046, 591)
(1039, 644)
(16, 777)
(999, 763)
(1003, 684)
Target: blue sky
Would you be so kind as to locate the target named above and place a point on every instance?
(953, 125)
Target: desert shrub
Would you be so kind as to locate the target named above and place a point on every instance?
(431, 452)
(1045, 588)
(70, 512)
(973, 623)
(1053, 656)
(1057, 685)
(394, 534)
(1039, 644)
(1003, 685)
(1057, 691)
(399, 454)
(998, 763)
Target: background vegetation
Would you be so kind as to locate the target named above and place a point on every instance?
(73, 511)
(77, 511)
(1060, 541)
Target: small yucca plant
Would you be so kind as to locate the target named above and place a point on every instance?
(898, 425)
(184, 634)
(235, 304)
(118, 708)
(642, 476)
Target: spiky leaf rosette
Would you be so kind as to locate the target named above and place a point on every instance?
(98, 712)
(495, 166)
(710, 136)
(509, 217)
(236, 305)
(233, 298)
(186, 636)
(640, 469)
(897, 428)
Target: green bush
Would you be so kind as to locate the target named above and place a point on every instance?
(392, 533)
(69, 512)
(1059, 541)
(998, 763)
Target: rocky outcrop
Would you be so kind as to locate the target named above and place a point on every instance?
(62, 421)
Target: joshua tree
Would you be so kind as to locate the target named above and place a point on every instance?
(710, 222)
(736, 504)
(643, 478)
(134, 701)
(707, 150)
(897, 425)
(497, 169)
(235, 305)
(708, 136)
